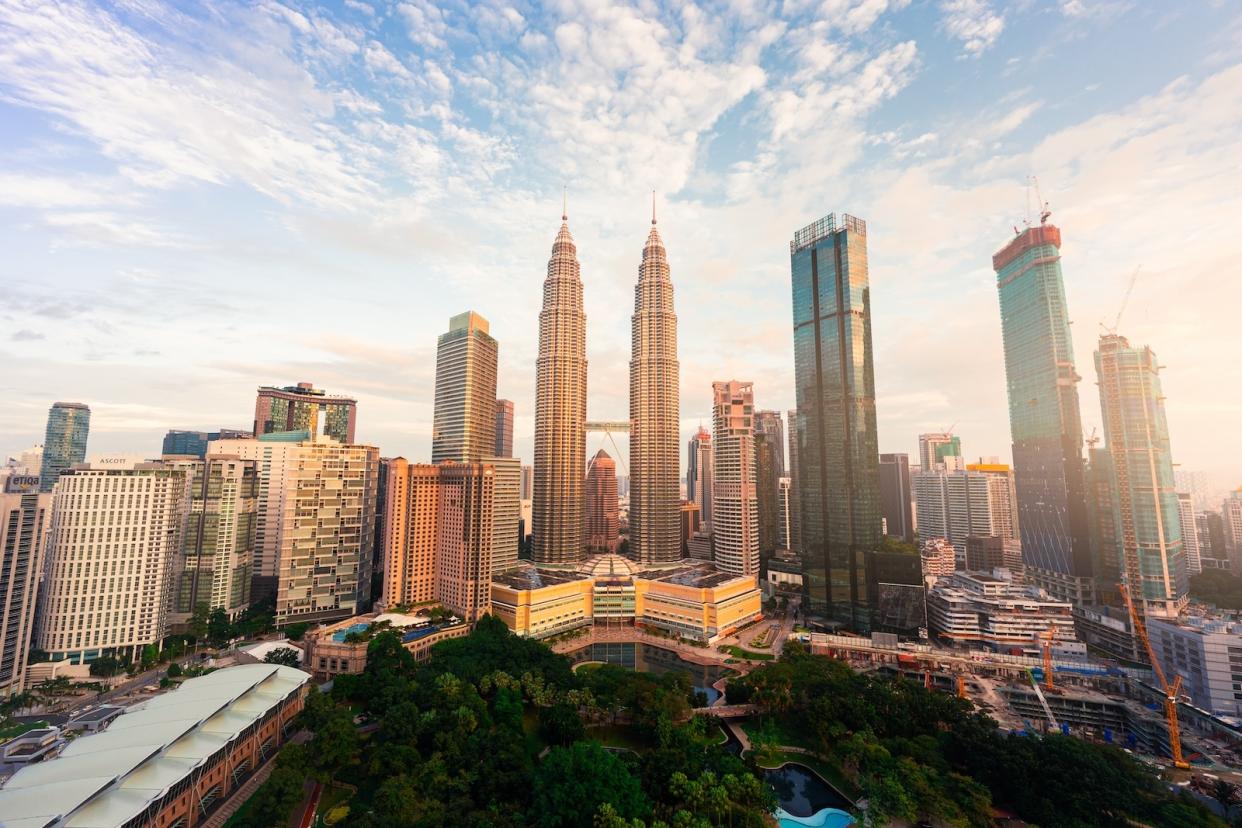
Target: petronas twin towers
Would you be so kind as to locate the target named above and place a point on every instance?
(557, 522)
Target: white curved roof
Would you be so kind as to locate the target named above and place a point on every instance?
(105, 779)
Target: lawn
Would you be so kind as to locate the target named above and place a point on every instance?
(784, 735)
(332, 796)
(738, 652)
(15, 729)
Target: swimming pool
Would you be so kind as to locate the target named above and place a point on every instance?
(826, 818)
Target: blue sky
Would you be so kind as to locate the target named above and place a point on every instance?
(199, 198)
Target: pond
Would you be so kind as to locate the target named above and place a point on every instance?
(801, 792)
(647, 658)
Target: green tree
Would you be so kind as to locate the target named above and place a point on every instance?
(286, 656)
(572, 783)
(294, 632)
(174, 670)
(105, 666)
(560, 725)
(220, 629)
(198, 621)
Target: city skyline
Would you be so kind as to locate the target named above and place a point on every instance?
(731, 194)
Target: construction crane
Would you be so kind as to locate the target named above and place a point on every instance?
(960, 681)
(1046, 638)
(1171, 692)
(1125, 300)
(1094, 439)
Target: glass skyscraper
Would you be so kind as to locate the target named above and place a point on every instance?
(838, 483)
(1043, 413)
(64, 443)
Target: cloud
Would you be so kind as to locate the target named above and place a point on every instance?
(973, 22)
(26, 335)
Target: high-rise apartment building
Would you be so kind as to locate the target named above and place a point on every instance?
(971, 501)
(64, 442)
(217, 549)
(602, 513)
(506, 511)
(24, 520)
(1231, 523)
(1044, 418)
(113, 551)
(299, 408)
(464, 420)
(936, 447)
(411, 526)
(465, 532)
(795, 528)
(1190, 533)
(1136, 435)
(655, 413)
(504, 428)
(194, 443)
(528, 483)
(895, 496)
(735, 505)
(560, 410)
(699, 475)
(1002, 496)
(838, 456)
(784, 509)
(938, 557)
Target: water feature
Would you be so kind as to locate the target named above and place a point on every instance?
(801, 792)
(648, 658)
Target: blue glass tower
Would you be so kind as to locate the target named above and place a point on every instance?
(1043, 413)
(64, 443)
(837, 448)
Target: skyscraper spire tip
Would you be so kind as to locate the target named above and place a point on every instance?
(564, 203)
(653, 219)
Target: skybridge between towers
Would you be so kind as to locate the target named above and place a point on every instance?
(609, 428)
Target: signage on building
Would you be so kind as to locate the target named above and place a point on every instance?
(21, 484)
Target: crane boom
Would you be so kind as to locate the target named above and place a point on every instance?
(1125, 300)
(1171, 692)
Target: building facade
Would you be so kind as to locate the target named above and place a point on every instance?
(735, 504)
(64, 442)
(896, 497)
(1136, 434)
(699, 475)
(411, 524)
(1044, 417)
(504, 428)
(24, 520)
(303, 407)
(971, 608)
(1190, 533)
(936, 447)
(194, 443)
(957, 504)
(655, 412)
(464, 420)
(1231, 529)
(1207, 655)
(937, 557)
(784, 509)
(506, 511)
(795, 528)
(767, 484)
(602, 512)
(113, 550)
(837, 449)
(560, 410)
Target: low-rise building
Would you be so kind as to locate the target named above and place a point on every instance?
(977, 608)
(166, 762)
(341, 648)
(938, 558)
(1207, 654)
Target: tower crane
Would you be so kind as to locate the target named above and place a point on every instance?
(1125, 300)
(1171, 691)
(1046, 638)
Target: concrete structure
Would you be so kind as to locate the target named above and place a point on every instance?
(560, 410)
(987, 552)
(506, 511)
(64, 442)
(690, 599)
(699, 474)
(217, 553)
(464, 420)
(24, 521)
(113, 550)
(977, 608)
(795, 528)
(1136, 435)
(166, 762)
(299, 408)
(896, 497)
(1044, 416)
(957, 504)
(838, 480)
(341, 648)
(935, 449)
(601, 505)
(1002, 496)
(655, 411)
(938, 558)
(1231, 525)
(1190, 533)
(504, 428)
(315, 523)
(194, 443)
(735, 506)
(1207, 654)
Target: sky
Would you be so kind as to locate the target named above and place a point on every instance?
(200, 198)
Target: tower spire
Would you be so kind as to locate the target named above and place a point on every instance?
(564, 203)
(653, 219)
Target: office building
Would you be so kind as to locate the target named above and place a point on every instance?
(504, 428)
(795, 528)
(735, 505)
(528, 484)
(1190, 533)
(769, 424)
(217, 552)
(784, 504)
(465, 414)
(314, 527)
(1136, 436)
(937, 557)
(1044, 417)
(1102, 527)
(506, 511)
(768, 453)
(690, 525)
(1231, 529)
(602, 513)
(1213, 552)
(699, 474)
(64, 442)
(973, 608)
(896, 497)
(1206, 654)
(838, 481)
(113, 551)
(194, 443)
(560, 410)
(655, 412)
(303, 407)
(411, 526)
(985, 553)
(936, 449)
(24, 521)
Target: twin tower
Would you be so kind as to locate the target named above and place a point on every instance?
(560, 412)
